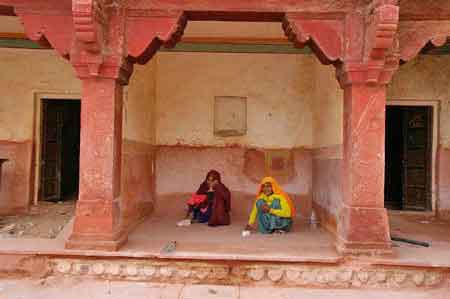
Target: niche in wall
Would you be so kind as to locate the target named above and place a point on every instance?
(230, 116)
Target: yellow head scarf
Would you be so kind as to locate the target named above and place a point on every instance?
(276, 190)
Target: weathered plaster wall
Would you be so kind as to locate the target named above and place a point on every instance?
(328, 107)
(138, 171)
(31, 73)
(278, 89)
(181, 169)
(140, 100)
(25, 73)
(11, 24)
(279, 116)
(234, 29)
(327, 149)
(426, 78)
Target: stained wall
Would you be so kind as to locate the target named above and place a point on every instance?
(33, 74)
(279, 96)
(426, 79)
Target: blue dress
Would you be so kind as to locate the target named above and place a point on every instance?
(268, 223)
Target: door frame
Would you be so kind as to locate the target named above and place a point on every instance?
(435, 107)
(39, 98)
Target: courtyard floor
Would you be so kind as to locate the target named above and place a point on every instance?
(52, 288)
(46, 230)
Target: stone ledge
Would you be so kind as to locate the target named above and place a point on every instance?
(315, 276)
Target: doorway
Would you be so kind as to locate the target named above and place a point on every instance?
(60, 149)
(408, 152)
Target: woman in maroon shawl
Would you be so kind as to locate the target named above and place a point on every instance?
(216, 209)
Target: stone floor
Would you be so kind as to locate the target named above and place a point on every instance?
(198, 241)
(305, 246)
(65, 288)
(45, 220)
(420, 227)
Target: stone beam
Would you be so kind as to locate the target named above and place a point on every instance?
(420, 10)
(7, 10)
(231, 9)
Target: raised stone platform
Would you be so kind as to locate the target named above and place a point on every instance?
(304, 258)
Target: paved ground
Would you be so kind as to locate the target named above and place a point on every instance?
(53, 288)
(36, 233)
(45, 221)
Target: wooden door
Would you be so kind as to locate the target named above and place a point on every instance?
(52, 123)
(394, 151)
(417, 158)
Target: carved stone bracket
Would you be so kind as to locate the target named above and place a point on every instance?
(91, 22)
(146, 33)
(325, 37)
(380, 47)
(366, 73)
(49, 28)
(120, 70)
(414, 35)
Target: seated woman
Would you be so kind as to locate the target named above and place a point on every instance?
(212, 201)
(273, 209)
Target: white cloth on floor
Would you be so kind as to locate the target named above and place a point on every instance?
(184, 222)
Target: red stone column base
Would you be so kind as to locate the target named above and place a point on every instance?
(97, 226)
(363, 231)
(97, 242)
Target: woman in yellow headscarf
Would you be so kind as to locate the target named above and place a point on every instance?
(273, 210)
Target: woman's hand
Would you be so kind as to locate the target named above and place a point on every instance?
(265, 208)
(248, 227)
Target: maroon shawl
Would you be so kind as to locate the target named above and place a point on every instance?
(220, 213)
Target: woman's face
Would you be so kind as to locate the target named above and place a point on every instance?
(267, 188)
(211, 180)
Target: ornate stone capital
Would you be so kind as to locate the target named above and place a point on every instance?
(380, 47)
(382, 23)
(99, 33)
(90, 18)
(120, 70)
(324, 36)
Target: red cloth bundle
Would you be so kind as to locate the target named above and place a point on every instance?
(196, 199)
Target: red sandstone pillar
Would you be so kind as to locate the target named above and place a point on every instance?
(98, 219)
(363, 222)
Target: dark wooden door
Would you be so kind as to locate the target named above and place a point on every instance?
(393, 192)
(53, 118)
(417, 158)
